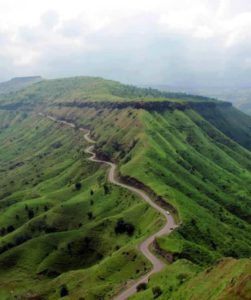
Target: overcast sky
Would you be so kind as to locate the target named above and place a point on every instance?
(173, 42)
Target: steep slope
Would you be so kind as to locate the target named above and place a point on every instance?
(229, 279)
(188, 154)
(189, 163)
(58, 216)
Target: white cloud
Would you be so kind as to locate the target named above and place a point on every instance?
(133, 40)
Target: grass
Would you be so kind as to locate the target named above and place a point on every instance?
(91, 89)
(59, 238)
(228, 279)
(197, 160)
(191, 164)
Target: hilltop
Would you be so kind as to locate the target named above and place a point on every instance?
(84, 89)
(17, 83)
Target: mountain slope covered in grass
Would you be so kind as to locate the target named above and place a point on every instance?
(84, 89)
(58, 213)
(54, 231)
(17, 83)
(229, 279)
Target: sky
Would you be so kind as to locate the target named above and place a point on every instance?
(170, 42)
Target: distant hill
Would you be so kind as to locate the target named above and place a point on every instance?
(240, 97)
(17, 83)
(86, 88)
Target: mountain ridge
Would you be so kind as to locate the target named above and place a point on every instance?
(59, 214)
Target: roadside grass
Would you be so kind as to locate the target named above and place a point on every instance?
(228, 279)
(61, 230)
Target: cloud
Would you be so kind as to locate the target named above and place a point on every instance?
(163, 41)
(50, 19)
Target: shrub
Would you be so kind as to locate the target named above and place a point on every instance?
(64, 291)
(122, 227)
(10, 228)
(129, 228)
(2, 231)
(106, 189)
(141, 287)
(78, 186)
(90, 215)
(30, 213)
(156, 292)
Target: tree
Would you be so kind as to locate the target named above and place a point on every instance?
(156, 292)
(90, 215)
(78, 186)
(64, 291)
(129, 228)
(2, 231)
(30, 213)
(141, 287)
(10, 228)
(122, 227)
(106, 189)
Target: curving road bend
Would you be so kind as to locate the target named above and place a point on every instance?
(158, 265)
(170, 224)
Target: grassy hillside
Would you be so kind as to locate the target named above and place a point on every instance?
(18, 83)
(90, 89)
(53, 233)
(57, 233)
(229, 279)
(192, 165)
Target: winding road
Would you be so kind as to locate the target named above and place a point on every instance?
(170, 224)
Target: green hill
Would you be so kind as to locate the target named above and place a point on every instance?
(17, 83)
(58, 212)
(229, 279)
(84, 89)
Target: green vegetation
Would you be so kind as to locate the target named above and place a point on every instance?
(18, 83)
(229, 279)
(66, 232)
(57, 221)
(90, 89)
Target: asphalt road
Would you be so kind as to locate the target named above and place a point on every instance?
(170, 224)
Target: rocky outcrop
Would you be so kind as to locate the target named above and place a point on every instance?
(166, 255)
(147, 105)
